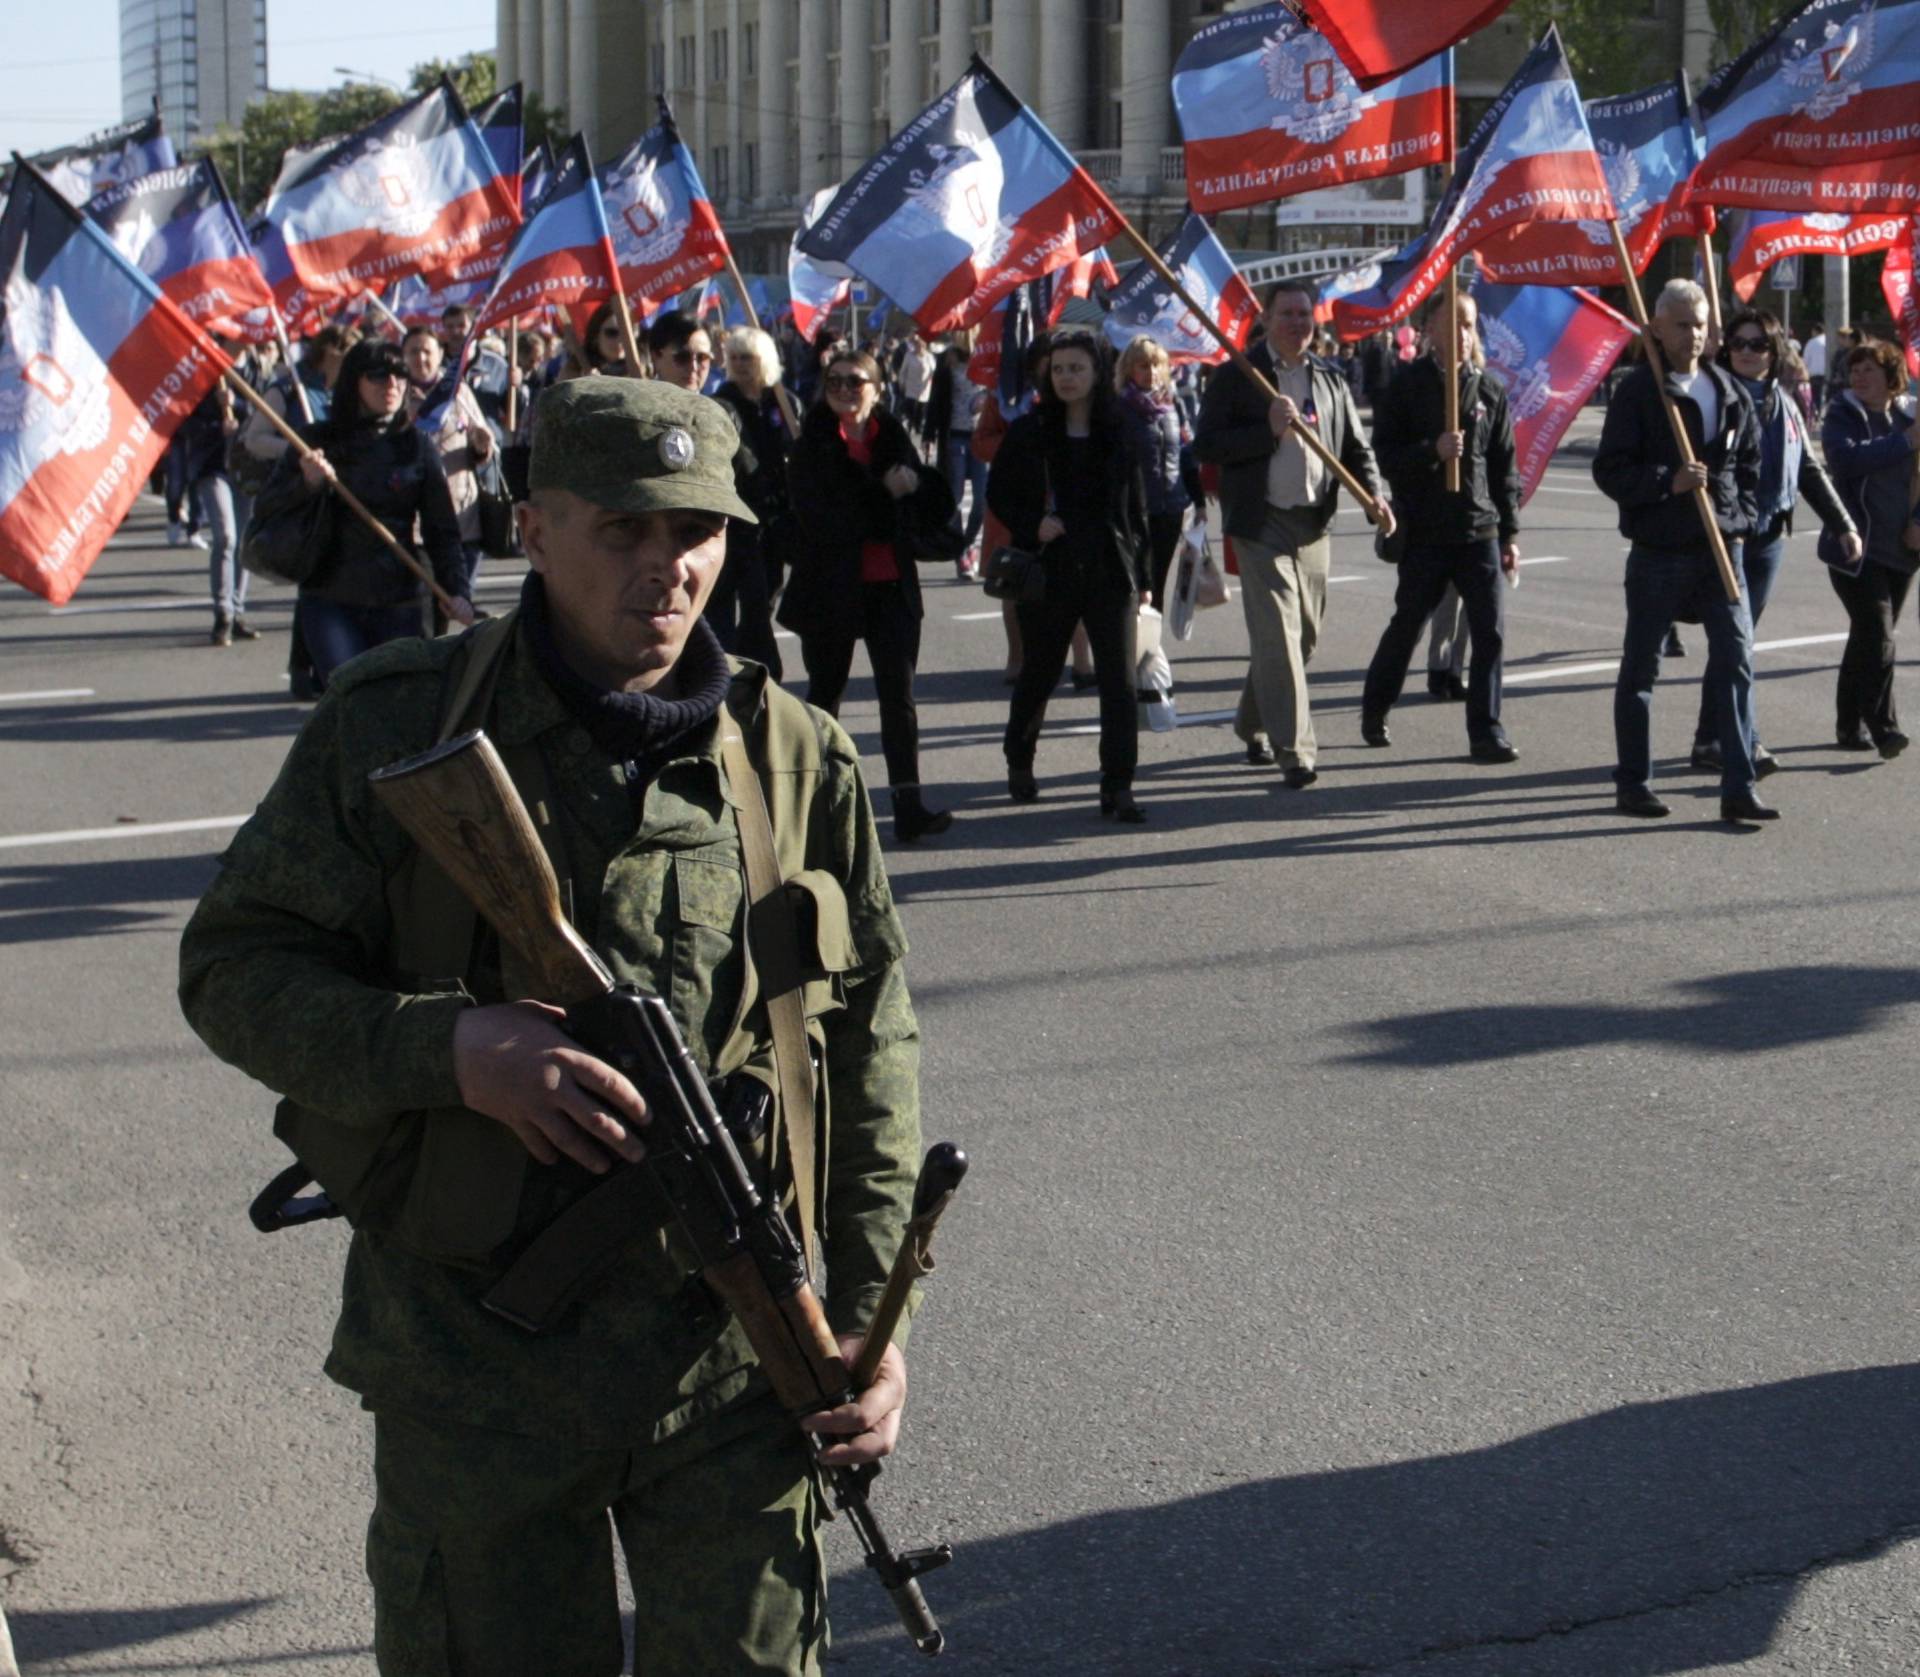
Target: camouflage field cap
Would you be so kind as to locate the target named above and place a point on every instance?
(636, 445)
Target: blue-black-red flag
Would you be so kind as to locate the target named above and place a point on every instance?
(411, 193)
(1762, 238)
(1821, 114)
(971, 199)
(502, 126)
(816, 288)
(179, 228)
(562, 254)
(536, 175)
(1146, 306)
(1550, 347)
(1268, 109)
(1649, 148)
(1381, 38)
(1077, 279)
(109, 158)
(666, 235)
(97, 370)
(1531, 158)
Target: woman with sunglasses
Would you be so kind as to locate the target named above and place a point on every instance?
(1066, 483)
(605, 345)
(849, 476)
(358, 595)
(1754, 349)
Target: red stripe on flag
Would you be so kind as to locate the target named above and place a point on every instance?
(1871, 188)
(1228, 174)
(53, 530)
(1073, 220)
(1553, 185)
(1381, 38)
(578, 274)
(353, 261)
(217, 294)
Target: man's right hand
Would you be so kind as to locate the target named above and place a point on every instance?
(1686, 479)
(1450, 445)
(1281, 414)
(514, 1064)
(317, 469)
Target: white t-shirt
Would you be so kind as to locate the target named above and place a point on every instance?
(1706, 396)
(1815, 355)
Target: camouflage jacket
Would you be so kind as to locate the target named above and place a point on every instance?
(286, 973)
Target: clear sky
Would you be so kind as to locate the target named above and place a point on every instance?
(63, 56)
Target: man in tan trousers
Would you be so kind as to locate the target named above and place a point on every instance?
(1276, 502)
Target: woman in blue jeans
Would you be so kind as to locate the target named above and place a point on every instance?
(359, 595)
(1754, 349)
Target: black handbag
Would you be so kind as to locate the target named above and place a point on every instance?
(289, 546)
(499, 535)
(1013, 573)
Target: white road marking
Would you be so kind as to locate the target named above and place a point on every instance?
(49, 693)
(1186, 719)
(126, 829)
(199, 604)
(1554, 671)
(1333, 579)
(1567, 489)
(1550, 559)
(976, 617)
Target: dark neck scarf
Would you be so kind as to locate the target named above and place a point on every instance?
(637, 729)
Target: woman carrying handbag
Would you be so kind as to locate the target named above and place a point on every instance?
(856, 482)
(1066, 484)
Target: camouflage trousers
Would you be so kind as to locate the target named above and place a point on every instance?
(491, 1554)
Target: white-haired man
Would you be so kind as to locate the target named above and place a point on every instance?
(1670, 566)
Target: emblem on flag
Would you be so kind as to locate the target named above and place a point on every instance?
(1318, 96)
(1829, 73)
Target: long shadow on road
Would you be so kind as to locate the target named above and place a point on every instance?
(1731, 1497)
(45, 902)
(1745, 1012)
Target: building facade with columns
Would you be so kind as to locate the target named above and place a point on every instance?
(778, 98)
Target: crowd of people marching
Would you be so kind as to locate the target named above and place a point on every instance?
(865, 459)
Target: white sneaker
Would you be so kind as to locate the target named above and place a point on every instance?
(198, 540)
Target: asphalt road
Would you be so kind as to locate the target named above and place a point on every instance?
(1422, 1225)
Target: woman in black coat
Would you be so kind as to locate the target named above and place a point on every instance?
(851, 477)
(1066, 483)
(741, 608)
(358, 595)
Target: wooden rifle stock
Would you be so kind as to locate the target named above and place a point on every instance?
(459, 805)
(940, 1177)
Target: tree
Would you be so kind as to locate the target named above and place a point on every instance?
(1609, 53)
(250, 157)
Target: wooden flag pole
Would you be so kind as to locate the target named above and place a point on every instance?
(1702, 498)
(513, 375)
(1450, 361)
(788, 411)
(1710, 283)
(628, 340)
(1308, 437)
(353, 501)
(1450, 372)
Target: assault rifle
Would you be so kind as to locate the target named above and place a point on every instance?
(460, 807)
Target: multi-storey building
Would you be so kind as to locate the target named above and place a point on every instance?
(778, 98)
(203, 60)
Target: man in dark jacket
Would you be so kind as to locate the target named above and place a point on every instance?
(1670, 566)
(1467, 537)
(1276, 502)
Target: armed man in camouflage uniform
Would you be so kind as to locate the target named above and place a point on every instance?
(439, 1102)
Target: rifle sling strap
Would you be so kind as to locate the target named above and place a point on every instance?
(585, 1237)
(773, 947)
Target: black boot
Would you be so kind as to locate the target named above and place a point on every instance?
(912, 819)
